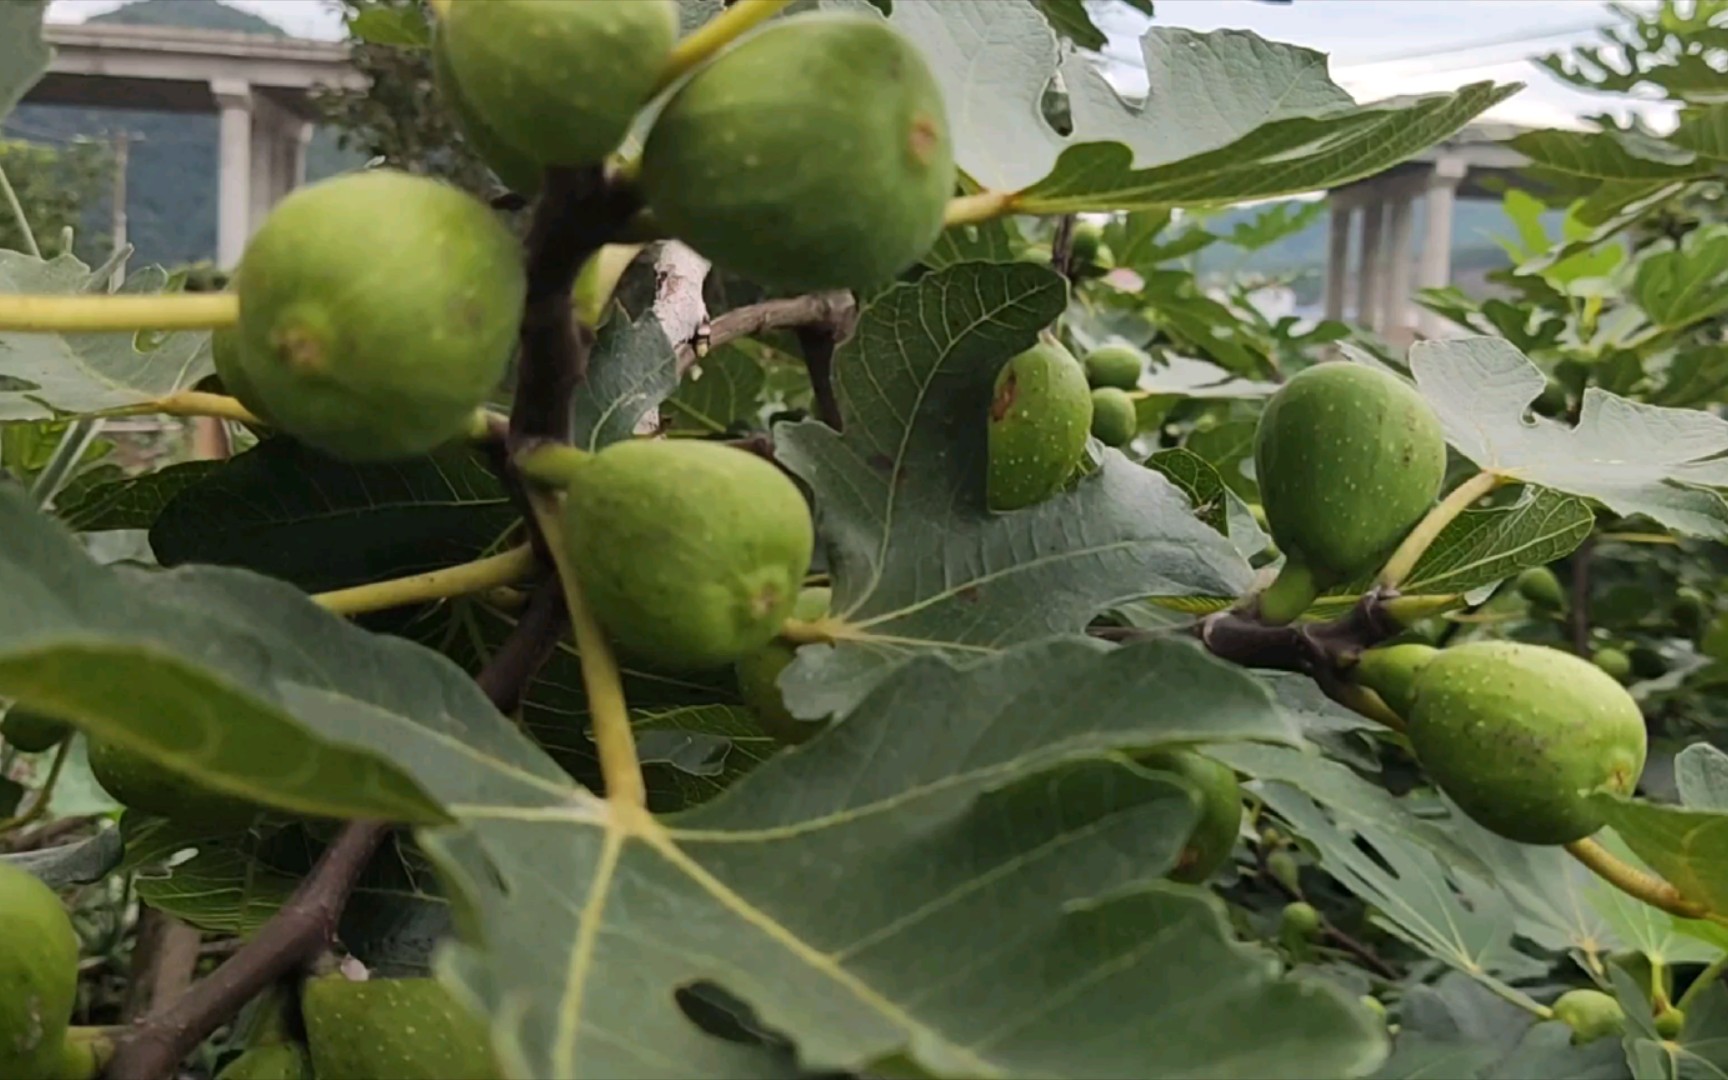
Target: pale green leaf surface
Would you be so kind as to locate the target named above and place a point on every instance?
(1701, 772)
(1685, 283)
(23, 54)
(77, 373)
(1483, 546)
(1689, 848)
(1456, 1029)
(1634, 458)
(1198, 480)
(919, 563)
(1183, 376)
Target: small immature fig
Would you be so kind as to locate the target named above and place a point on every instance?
(1084, 240)
(38, 976)
(405, 1029)
(1285, 870)
(556, 82)
(1690, 608)
(1220, 801)
(1299, 919)
(1613, 661)
(1541, 587)
(32, 732)
(138, 783)
(1590, 1014)
(377, 312)
(690, 552)
(758, 675)
(1114, 365)
(1114, 421)
(1040, 415)
(1670, 1022)
(1349, 458)
(1390, 671)
(270, 1061)
(1520, 736)
(775, 162)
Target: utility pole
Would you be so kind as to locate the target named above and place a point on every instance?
(122, 155)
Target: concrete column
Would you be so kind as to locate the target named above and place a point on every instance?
(1395, 302)
(233, 170)
(1435, 271)
(1337, 257)
(1370, 262)
(297, 161)
(278, 156)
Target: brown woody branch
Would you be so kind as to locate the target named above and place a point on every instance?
(837, 310)
(1062, 247)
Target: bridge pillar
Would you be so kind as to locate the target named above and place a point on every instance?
(278, 151)
(234, 157)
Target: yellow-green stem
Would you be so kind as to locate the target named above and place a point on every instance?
(1365, 702)
(1428, 530)
(85, 314)
(552, 466)
(187, 403)
(31, 248)
(714, 35)
(39, 806)
(821, 631)
(470, 577)
(599, 280)
(973, 209)
(1636, 883)
(601, 678)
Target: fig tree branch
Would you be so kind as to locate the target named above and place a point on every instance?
(834, 309)
(1062, 247)
(506, 568)
(817, 343)
(1578, 619)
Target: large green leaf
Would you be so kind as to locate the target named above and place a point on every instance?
(1636, 459)
(1482, 546)
(631, 371)
(978, 824)
(1685, 283)
(919, 563)
(1229, 116)
(1457, 1029)
(24, 56)
(295, 514)
(215, 672)
(45, 374)
(723, 388)
(97, 501)
(1689, 848)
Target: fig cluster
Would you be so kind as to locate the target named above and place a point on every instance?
(1521, 737)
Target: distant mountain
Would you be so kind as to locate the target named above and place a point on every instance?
(171, 183)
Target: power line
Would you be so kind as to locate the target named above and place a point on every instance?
(1486, 43)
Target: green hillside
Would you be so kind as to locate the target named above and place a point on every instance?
(171, 184)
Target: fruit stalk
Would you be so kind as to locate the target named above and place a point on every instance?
(553, 465)
(1636, 883)
(470, 577)
(601, 679)
(714, 35)
(978, 208)
(102, 312)
(1416, 544)
(189, 403)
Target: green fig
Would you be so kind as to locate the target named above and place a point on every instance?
(691, 553)
(1590, 1014)
(758, 675)
(32, 732)
(38, 976)
(556, 82)
(139, 783)
(1349, 458)
(813, 154)
(1690, 608)
(1670, 1022)
(270, 1061)
(1220, 803)
(1285, 870)
(1520, 736)
(1299, 919)
(1114, 421)
(377, 312)
(1040, 415)
(403, 1029)
(1374, 1005)
(1390, 671)
(1114, 365)
(518, 171)
(1084, 240)
(1613, 661)
(1541, 587)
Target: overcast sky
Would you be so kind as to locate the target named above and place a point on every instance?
(1378, 48)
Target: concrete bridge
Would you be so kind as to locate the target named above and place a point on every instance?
(258, 84)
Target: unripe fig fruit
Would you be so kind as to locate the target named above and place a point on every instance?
(758, 675)
(1374, 1005)
(1613, 661)
(1084, 240)
(691, 553)
(1541, 587)
(38, 975)
(1300, 919)
(519, 171)
(1390, 671)
(1114, 421)
(1220, 802)
(1040, 415)
(1647, 662)
(1349, 458)
(32, 732)
(1285, 870)
(1520, 735)
(271, 1061)
(1114, 365)
(138, 783)
(558, 82)
(1690, 608)
(225, 351)
(377, 312)
(813, 154)
(1670, 1022)
(1590, 1014)
(405, 1029)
